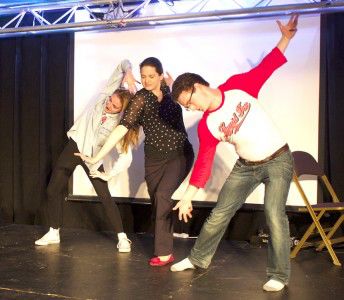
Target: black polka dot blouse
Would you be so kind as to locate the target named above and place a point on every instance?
(162, 122)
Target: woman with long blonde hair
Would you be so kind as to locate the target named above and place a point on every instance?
(88, 134)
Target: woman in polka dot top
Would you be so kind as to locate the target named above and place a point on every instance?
(168, 153)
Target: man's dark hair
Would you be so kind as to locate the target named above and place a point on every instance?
(185, 82)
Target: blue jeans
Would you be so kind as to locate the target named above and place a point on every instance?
(276, 175)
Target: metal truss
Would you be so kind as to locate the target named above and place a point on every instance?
(36, 17)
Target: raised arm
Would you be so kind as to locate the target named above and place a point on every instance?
(252, 81)
(121, 74)
(288, 32)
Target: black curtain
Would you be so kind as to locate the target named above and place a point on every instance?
(331, 133)
(36, 106)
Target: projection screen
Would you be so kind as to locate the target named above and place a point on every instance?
(215, 51)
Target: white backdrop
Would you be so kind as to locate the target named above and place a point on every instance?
(215, 51)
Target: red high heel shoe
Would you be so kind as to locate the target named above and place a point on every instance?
(156, 262)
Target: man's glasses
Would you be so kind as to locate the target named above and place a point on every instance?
(188, 103)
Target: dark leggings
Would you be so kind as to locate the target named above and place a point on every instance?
(64, 168)
(163, 177)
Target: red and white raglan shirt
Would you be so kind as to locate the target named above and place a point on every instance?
(239, 120)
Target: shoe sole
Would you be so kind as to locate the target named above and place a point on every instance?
(271, 289)
(124, 250)
(46, 244)
(160, 265)
(177, 270)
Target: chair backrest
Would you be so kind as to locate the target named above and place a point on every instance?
(305, 164)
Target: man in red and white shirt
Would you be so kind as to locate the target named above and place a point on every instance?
(233, 114)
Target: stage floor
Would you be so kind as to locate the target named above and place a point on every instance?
(86, 265)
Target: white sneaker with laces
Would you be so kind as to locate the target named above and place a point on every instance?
(182, 265)
(124, 245)
(51, 237)
(273, 286)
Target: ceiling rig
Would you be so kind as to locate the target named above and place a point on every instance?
(39, 17)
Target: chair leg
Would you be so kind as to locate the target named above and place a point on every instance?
(331, 232)
(305, 236)
(327, 242)
(317, 223)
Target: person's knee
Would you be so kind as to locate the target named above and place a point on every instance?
(274, 212)
(276, 219)
(53, 191)
(106, 200)
(218, 218)
(163, 197)
(163, 205)
(57, 184)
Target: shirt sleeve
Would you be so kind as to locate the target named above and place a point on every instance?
(206, 153)
(123, 162)
(116, 78)
(133, 112)
(252, 81)
(113, 84)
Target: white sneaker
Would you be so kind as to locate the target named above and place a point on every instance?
(51, 237)
(273, 286)
(124, 245)
(182, 265)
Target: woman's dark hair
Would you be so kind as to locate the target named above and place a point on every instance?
(185, 82)
(153, 62)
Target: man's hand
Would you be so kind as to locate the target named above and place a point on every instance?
(288, 31)
(129, 82)
(185, 209)
(102, 175)
(185, 205)
(86, 158)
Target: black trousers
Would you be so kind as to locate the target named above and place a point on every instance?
(56, 190)
(163, 176)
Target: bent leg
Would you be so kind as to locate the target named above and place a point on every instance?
(57, 187)
(110, 206)
(174, 173)
(240, 183)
